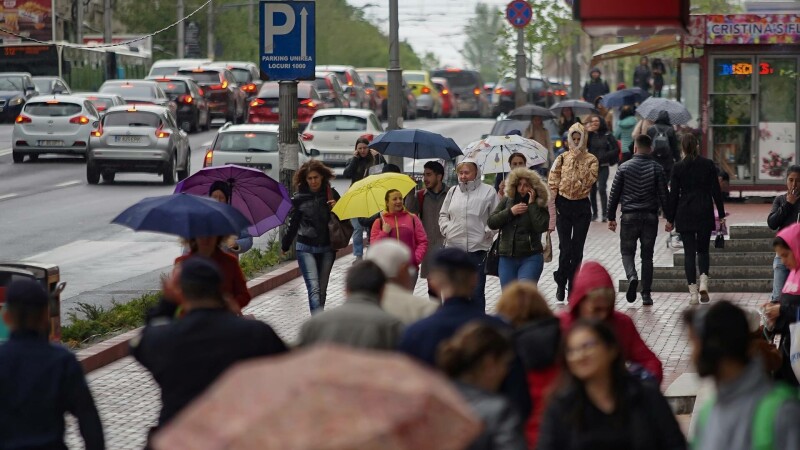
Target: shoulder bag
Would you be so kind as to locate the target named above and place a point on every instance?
(339, 231)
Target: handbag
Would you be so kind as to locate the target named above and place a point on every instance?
(547, 252)
(719, 242)
(339, 231)
(492, 263)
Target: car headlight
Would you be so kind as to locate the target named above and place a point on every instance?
(558, 143)
(16, 101)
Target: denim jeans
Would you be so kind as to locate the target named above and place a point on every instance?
(316, 270)
(780, 274)
(358, 238)
(635, 227)
(478, 294)
(524, 268)
(601, 185)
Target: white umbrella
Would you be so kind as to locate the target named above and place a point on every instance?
(492, 152)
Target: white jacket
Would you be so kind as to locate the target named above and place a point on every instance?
(463, 217)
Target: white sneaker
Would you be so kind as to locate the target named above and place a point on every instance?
(694, 295)
(676, 241)
(703, 289)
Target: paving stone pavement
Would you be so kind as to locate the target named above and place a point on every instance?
(128, 399)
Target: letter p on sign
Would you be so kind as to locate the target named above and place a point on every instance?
(271, 10)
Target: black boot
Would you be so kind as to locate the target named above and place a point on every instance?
(647, 300)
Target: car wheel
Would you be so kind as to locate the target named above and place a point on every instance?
(108, 177)
(183, 174)
(171, 169)
(17, 157)
(92, 172)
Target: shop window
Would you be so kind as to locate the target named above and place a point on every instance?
(732, 109)
(777, 123)
(732, 151)
(733, 75)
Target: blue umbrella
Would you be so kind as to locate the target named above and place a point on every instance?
(184, 215)
(623, 97)
(417, 144)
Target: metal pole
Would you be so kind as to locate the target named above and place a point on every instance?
(395, 77)
(181, 31)
(620, 66)
(520, 97)
(79, 25)
(107, 35)
(210, 31)
(288, 144)
(576, 68)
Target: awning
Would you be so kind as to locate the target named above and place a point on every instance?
(651, 45)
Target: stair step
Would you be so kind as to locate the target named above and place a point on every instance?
(763, 285)
(743, 272)
(732, 258)
(751, 231)
(744, 245)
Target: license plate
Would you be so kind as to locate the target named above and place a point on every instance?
(275, 110)
(128, 139)
(336, 156)
(51, 143)
(264, 167)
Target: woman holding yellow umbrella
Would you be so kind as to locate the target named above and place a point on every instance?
(397, 223)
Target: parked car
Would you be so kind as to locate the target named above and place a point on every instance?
(428, 102)
(352, 84)
(139, 92)
(503, 126)
(249, 145)
(51, 85)
(449, 101)
(15, 89)
(138, 138)
(101, 102)
(225, 100)
(330, 91)
(333, 133)
(468, 87)
(375, 100)
(264, 109)
(193, 113)
(247, 75)
(55, 124)
(171, 66)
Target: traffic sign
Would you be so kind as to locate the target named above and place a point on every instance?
(287, 40)
(519, 13)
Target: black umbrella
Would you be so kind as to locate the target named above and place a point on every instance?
(527, 112)
(578, 107)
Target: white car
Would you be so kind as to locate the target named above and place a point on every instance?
(53, 124)
(249, 145)
(333, 133)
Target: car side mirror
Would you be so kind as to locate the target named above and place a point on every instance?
(95, 124)
(314, 153)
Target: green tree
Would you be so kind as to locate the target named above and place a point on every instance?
(430, 61)
(714, 7)
(483, 45)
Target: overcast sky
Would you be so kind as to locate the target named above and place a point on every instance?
(429, 25)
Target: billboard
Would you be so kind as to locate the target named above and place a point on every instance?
(28, 18)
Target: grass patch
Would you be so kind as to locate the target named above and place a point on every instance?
(256, 260)
(91, 322)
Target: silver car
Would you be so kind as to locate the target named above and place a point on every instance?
(138, 138)
(58, 124)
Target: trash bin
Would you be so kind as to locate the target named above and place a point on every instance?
(48, 276)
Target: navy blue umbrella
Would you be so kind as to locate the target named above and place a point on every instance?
(630, 96)
(184, 215)
(416, 144)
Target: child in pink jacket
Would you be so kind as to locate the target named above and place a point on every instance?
(397, 223)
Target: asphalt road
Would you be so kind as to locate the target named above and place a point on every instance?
(49, 214)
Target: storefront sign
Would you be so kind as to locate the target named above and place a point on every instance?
(26, 18)
(776, 149)
(752, 29)
(745, 68)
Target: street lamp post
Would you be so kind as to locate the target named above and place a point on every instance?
(395, 77)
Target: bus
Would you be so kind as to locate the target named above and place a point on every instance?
(84, 68)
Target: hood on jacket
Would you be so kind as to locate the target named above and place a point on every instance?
(663, 118)
(538, 343)
(592, 275)
(791, 235)
(470, 185)
(577, 128)
(533, 179)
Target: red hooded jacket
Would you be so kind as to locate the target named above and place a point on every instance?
(591, 276)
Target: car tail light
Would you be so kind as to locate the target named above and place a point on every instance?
(445, 92)
(257, 102)
(349, 78)
(426, 90)
(249, 88)
(368, 136)
(186, 98)
(476, 91)
(549, 93)
(98, 132)
(160, 133)
(100, 107)
(218, 87)
(79, 120)
(79, 144)
(208, 159)
(307, 136)
(23, 119)
(308, 103)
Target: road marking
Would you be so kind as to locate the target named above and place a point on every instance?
(68, 183)
(5, 151)
(3, 197)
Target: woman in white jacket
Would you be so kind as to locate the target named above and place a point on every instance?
(463, 218)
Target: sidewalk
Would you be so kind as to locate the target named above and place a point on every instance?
(128, 399)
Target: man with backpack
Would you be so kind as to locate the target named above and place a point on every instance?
(665, 143)
(749, 411)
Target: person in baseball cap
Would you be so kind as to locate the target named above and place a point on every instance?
(26, 306)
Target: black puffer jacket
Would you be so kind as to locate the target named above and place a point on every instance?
(603, 145)
(641, 186)
(308, 219)
(358, 167)
(783, 213)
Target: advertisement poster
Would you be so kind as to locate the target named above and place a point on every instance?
(776, 149)
(752, 29)
(28, 18)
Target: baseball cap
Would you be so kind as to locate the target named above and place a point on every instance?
(26, 292)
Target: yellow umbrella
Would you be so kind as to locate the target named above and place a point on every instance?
(367, 196)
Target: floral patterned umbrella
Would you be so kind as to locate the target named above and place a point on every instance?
(492, 152)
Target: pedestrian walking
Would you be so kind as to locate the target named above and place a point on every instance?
(642, 74)
(398, 298)
(308, 222)
(642, 127)
(40, 381)
(221, 192)
(570, 180)
(395, 222)
(694, 190)
(427, 204)
(623, 131)
(234, 285)
(454, 276)
(666, 148)
(593, 298)
(477, 359)
(515, 160)
(785, 211)
(536, 131)
(358, 167)
(185, 356)
(786, 311)
(463, 217)
(749, 411)
(595, 87)
(606, 113)
(600, 405)
(537, 339)
(640, 186)
(567, 120)
(521, 217)
(602, 145)
(659, 70)
(359, 322)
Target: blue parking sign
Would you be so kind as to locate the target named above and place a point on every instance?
(287, 40)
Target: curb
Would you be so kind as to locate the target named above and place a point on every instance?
(116, 348)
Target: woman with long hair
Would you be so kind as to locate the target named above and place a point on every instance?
(599, 406)
(234, 285)
(601, 144)
(623, 130)
(358, 168)
(537, 339)
(694, 190)
(308, 222)
(567, 120)
(395, 222)
(222, 192)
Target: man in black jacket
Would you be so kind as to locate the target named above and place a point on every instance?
(666, 150)
(641, 186)
(595, 87)
(785, 211)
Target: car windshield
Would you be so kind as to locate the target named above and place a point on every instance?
(502, 127)
(241, 75)
(377, 76)
(52, 109)
(163, 70)
(342, 77)
(415, 77)
(459, 79)
(11, 83)
(131, 119)
(339, 123)
(202, 77)
(173, 87)
(245, 141)
(321, 84)
(43, 86)
(129, 90)
(101, 103)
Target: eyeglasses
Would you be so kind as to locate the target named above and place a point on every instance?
(581, 350)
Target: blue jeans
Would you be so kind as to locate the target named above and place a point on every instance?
(316, 270)
(523, 268)
(478, 294)
(780, 273)
(358, 238)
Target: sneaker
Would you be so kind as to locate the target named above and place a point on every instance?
(676, 241)
(647, 300)
(561, 294)
(630, 295)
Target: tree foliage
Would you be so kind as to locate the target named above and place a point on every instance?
(483, 44)
(714, 7)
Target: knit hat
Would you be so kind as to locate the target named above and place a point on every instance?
(221, 186)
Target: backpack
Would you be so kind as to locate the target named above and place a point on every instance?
(661, 148)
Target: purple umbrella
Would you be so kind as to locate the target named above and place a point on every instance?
(264, 201)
